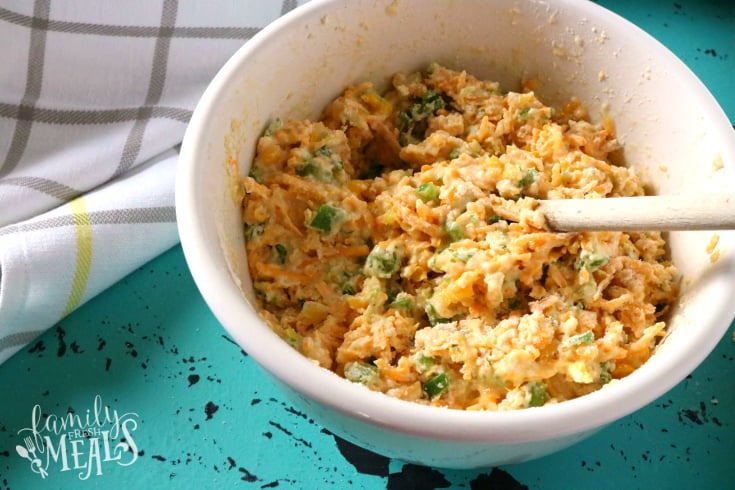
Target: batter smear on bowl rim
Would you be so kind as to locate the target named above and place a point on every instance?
(395, 241)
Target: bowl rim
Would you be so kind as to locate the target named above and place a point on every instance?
(225, 300)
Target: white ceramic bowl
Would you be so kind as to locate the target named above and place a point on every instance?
(672, 130)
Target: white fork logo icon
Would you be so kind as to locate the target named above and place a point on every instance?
(29, 452)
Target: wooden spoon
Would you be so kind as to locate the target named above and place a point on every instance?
(645, 213)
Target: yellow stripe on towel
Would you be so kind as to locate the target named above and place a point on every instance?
(83, 229)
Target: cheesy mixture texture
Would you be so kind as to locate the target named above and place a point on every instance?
(395, 241)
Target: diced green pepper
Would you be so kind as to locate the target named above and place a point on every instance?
(254, 230)
(433, 317)
(454, 232)
(292, 337)
(361, 372)
(324, 218)
(323, 151)
(524, 112)
(429, 104)
(321, 165)
(402, 303)
(255, 174)
(605, 374)
(436, 385)
(346, 281)
(597, 263)
(382, 263)
(462, 255)
(404, 121)
(580, 339)
(528, 178)
(281, 252)
(586, 292)
(539, 395)
(591, 260)
(313, 170)
(423, 363)
(428, 191)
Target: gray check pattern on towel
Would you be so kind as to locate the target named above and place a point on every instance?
(94, 101)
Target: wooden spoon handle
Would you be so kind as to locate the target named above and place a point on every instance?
(645, 213)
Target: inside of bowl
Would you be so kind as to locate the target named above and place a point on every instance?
(671, 129)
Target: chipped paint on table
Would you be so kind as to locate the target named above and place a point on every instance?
(147, 362)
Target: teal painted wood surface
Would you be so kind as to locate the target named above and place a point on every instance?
(147, 358)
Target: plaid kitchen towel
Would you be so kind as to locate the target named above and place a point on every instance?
(94, 100)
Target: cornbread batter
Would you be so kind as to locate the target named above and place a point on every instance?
(395, 241)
